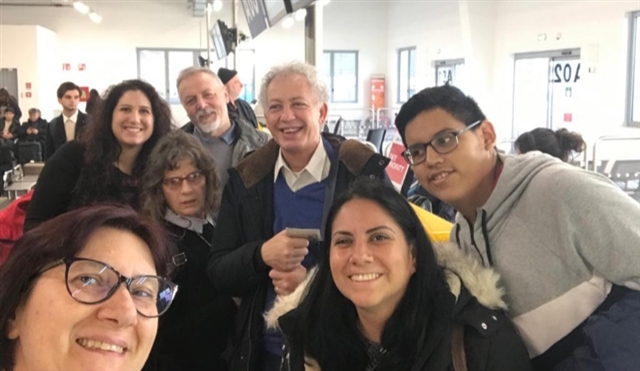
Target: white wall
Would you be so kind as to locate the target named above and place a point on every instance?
(19, 49)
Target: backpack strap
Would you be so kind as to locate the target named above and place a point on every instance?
(457, 348)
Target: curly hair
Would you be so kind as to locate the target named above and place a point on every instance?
(173, 148)
(102, 148)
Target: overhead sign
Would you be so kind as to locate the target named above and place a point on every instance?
(254, 11)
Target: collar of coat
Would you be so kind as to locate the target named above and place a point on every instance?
(481, 282)
(352, 153)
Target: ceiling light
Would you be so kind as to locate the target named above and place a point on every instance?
(81, 7)
(217, 5)
(287, 22)
(95, 17)
(300, 14)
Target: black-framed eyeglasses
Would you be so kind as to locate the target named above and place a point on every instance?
(194, 179)
(91, 281)
(443, 143)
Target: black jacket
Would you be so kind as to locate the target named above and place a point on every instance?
(39, 124)
(198, 326)
(491, 342)
(13, 128)
(242, 110)
(57, 136)
(246, 221)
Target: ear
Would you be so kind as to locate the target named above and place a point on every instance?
(413, 258)
(324, 110)
(488, 133)
(13, 330)
(226, 94)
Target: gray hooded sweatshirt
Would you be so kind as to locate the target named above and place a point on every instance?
(559, 236)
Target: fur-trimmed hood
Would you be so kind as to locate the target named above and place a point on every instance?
(353, 154)
(481, 282)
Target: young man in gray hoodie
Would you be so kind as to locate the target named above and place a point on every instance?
(565, 241)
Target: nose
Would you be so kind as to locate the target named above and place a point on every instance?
(119, 309)
(200, 103)
(185, 187)
(361, 254)
(433, 157)
(287, 114)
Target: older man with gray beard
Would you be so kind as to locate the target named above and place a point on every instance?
(204, 97)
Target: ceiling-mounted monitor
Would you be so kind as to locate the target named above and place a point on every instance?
(256, 15)
(276, 10)
(300, 4)
(223, 39)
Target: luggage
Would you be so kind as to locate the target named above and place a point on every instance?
(29, 151)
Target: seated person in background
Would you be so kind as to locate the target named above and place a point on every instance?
(237, 107)
(8, 127)
(83, 292)
(34, 129)
(383, 299)
(181, 188)
(560, 144)
(108, 162)
(290, 182)
(564, 240)
(7, 100)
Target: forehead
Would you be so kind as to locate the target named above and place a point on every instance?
(121, 249)
(183, 166)
(199, 81)
(365, 214)
(288, 86)
(429, 123)
(134, 96)
(71, 93)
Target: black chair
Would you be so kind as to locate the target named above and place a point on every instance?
(336, 129)
(376, 136)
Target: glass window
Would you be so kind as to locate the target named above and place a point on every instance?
(451, 72)
(340, 72)
(151, 68)
(178, 61)
(633, 116)
(245, 63)
(406, 74)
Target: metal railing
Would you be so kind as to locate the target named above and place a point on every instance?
(606, 138)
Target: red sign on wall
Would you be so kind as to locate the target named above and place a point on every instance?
(28, 94)
(377, 92)
(66, 66)
(82, 67)
(398, 167)
(85, 93)
(28, 85)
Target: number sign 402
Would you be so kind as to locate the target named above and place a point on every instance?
(565, 73)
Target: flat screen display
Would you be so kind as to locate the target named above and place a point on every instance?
(218, 41)
(300, 4)
(276, 10)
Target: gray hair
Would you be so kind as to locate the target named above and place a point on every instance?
(190, 71)
(295, 68)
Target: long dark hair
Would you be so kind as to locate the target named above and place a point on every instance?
(327, 324)
(66, 236)
(559, 144)
(102, 148)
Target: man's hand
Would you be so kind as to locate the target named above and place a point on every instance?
(284, 253)
(34, 131)
(285, 283)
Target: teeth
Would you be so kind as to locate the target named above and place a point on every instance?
(440, 176)
(365, 277)
(290, 130)
(92, 344)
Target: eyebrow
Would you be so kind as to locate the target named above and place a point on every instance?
(369, 231)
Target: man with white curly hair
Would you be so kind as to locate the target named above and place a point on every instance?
(289, 183)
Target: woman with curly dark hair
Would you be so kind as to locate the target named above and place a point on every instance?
(107, 162)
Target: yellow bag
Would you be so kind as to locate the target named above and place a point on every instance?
(437, 228)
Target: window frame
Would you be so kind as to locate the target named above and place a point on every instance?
(445, 63)
(166, 51)
(408, 49)
(332, 53)
(634, 20)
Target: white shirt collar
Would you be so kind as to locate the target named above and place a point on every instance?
(188, 222)
(315, 167)
(73, 117)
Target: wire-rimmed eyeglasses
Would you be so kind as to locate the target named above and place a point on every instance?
(442, 143)
(91, 281)
(194, 179)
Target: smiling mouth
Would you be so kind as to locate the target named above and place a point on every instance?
(98, 345)
(436, 178)
(291, 130)
(365, 277)
(133, 130)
